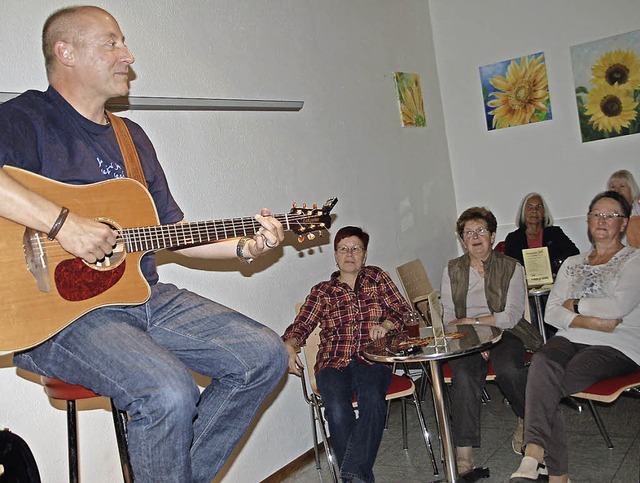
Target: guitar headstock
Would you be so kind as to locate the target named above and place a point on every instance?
(304, 221)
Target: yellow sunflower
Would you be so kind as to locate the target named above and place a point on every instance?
(611, 107)
(620, 67)
(412, 105)
(521, 93)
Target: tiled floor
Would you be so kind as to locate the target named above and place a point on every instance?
(589, 458)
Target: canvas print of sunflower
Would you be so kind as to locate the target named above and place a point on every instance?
(606, 74)
(410, 99)
(516, 92)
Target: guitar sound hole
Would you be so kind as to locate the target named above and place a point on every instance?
(117, 256)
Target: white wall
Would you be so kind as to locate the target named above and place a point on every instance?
(497, 168)
(347, 142)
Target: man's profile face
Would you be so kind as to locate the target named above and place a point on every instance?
(102, 59)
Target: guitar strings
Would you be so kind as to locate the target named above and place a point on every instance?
(198, 231)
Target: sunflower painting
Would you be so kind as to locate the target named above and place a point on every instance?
(516, 92)
(606, 74)
(410, 99)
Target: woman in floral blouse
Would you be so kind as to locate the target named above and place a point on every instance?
(595, 304)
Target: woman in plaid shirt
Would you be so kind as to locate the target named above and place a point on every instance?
(355, 306)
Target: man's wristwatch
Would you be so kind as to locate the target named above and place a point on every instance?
(240, 250)
(575, 305)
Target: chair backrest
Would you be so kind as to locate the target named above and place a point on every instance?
(417, 286)
(310, 351)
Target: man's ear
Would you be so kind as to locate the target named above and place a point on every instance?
(64, 53)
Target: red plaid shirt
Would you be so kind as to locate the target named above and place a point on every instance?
(346, 315)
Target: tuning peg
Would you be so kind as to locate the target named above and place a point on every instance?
(304, 206)
(311, 237)
(300, 238)
(315, 206)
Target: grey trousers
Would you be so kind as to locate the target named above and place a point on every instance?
(561, 368)
(468, 378)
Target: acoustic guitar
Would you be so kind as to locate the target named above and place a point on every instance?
(44, 288)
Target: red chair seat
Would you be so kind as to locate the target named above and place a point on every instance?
(57, 389)
(609, 389)
(400, 386)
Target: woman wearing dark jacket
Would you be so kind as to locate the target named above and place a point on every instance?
(535, 230)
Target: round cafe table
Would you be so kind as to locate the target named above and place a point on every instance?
(458, 339)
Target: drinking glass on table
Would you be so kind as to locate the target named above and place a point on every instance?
(412, 323)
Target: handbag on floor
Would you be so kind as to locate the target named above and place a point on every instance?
(17, 464)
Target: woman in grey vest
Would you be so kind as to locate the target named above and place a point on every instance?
(483, 287)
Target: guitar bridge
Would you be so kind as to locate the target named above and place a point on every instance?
(36, 257)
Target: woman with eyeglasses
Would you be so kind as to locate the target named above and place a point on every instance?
(623, 182)
(595, 304)
(483, 287)
(358, 304)
(535, 230)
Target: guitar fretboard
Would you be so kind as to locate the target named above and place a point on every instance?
(198, 232)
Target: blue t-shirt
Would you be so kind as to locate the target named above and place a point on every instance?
(41, 132)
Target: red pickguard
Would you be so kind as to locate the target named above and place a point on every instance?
(76, 281)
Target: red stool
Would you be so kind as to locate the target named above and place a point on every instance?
(57, 389)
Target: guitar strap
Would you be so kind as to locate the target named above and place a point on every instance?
(128, 149)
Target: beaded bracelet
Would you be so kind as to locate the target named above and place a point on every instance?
(58, 223)
(240, 249)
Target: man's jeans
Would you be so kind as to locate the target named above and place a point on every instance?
(141, 357)
(355, 442)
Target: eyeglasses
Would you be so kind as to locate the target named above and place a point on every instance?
(355, 250)
(479, 231)
(605, 216)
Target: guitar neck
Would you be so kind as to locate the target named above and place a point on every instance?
(176, 235)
